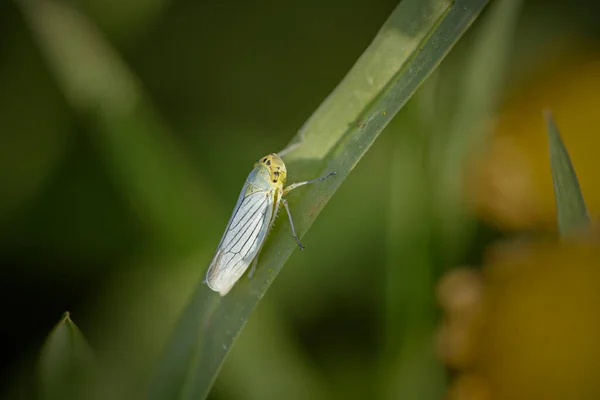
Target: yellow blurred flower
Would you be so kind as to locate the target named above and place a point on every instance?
(459, 293)
(468, 387)
(535, 333)
(510, 184)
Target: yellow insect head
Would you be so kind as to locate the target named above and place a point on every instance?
(276, 167)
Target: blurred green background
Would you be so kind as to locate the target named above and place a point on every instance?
(224, 83)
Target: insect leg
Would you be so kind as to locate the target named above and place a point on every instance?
(295, 185)
(287, 208)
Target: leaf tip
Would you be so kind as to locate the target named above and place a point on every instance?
(571, 210)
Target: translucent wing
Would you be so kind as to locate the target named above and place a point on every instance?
(242, 239)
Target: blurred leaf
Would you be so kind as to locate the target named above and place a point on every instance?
(66, 363)
(478, 95)
(149, 166)
(409, 266)
(572, 213)
(411, 272)
(409, 46)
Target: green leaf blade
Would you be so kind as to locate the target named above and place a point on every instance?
(336, 137)
(571, 211)
(66, 362)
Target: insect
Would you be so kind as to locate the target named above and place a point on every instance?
(250, 222)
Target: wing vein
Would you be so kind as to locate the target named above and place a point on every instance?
(254, 241)
(260, 222)
(243, 229)
(232, 233)
(244, 203)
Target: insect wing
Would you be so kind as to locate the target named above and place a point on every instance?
(243, 237)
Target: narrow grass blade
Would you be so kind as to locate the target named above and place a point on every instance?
(66, 363)
(572, 214)
(409, 46)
